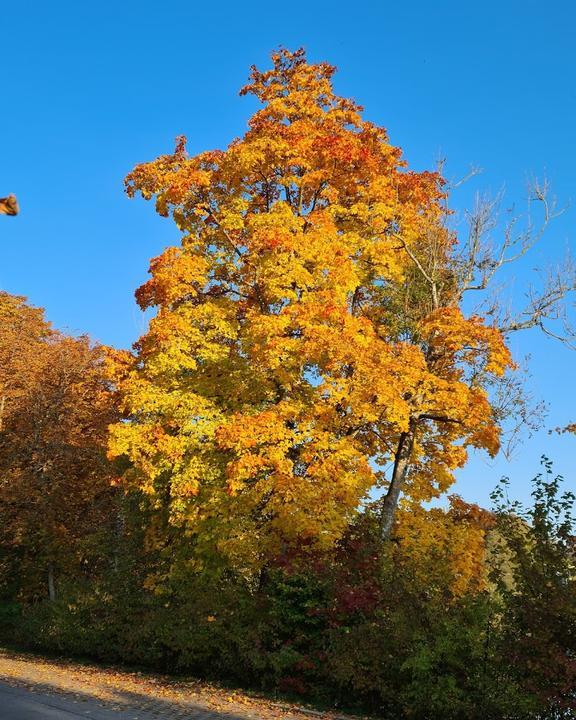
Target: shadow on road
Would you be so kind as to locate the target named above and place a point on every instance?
(39, 699)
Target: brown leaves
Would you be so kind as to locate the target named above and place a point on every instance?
(9, 205)
(56, 408)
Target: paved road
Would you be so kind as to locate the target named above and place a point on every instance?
(23, 704)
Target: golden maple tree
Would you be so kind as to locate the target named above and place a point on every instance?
(308, 334)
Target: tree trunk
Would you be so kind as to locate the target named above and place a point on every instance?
(51, 587)
(401, 465)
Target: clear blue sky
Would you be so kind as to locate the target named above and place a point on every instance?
(91, 88)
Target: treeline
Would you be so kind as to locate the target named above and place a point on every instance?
(463, 613)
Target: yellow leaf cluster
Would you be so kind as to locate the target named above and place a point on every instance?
(292, 346)
(446, 549)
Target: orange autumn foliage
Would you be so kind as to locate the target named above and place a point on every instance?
(55, 408)
(295, 344)
(446, 549)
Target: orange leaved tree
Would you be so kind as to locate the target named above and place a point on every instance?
(308, 344)
(55, 408)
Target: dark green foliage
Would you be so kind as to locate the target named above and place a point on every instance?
(538, 622)
(355, 629)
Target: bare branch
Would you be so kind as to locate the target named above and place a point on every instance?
(515, 408)
(481, 259)
(473, 172)
(439, 418)
(547, 306)
(420, 267)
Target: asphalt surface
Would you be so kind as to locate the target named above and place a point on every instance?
(23, 704)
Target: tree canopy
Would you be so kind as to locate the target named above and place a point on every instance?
(297, 349)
